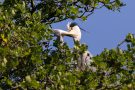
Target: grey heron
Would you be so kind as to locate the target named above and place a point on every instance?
(74, 31)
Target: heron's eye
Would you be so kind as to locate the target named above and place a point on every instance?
(88, 54)
(73, 24)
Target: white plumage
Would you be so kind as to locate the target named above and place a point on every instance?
(74, 31)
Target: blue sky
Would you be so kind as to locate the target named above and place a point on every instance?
(107, 28)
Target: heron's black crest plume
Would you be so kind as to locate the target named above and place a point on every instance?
(73, 24)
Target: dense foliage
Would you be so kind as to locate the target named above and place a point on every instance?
(23, 64)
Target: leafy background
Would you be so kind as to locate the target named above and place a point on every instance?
(23, 64)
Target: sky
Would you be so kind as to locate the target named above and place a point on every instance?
(107, 28)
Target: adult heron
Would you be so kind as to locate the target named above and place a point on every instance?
(74, 31)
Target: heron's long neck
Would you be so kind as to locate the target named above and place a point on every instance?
(76, 30)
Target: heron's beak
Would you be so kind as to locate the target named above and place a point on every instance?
(84, 30)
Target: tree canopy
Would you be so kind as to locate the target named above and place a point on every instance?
(23, 64)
